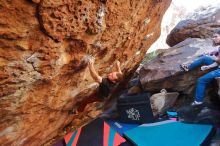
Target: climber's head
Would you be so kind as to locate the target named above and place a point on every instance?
(216, 38)
(115, 77)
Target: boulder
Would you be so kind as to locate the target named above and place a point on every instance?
(199, 24)
(164, 71)
(161, 102)
(43, 46)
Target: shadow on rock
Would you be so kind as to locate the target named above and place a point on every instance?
(203, 114)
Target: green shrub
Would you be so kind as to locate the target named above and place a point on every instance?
(149, 56)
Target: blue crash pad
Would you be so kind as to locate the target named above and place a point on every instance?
(169, 133)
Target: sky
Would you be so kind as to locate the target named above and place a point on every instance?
(189, 6)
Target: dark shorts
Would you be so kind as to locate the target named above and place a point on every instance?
(105, 88)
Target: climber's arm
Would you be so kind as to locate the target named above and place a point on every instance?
(93, 72)
(118, 64)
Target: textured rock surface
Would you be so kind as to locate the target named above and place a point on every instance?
(42, 44)
(164, 72)
(161, 102)
(199, 25)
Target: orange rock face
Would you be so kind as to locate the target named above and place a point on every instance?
(42, 45)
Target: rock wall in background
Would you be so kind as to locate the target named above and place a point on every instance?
(164, 72)
(197, 25)
(189, 39)
(42, 46)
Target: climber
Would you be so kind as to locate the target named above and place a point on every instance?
(107, 84)
(208, 61)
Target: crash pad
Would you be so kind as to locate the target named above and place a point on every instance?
(96, 133)
(170, 133)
